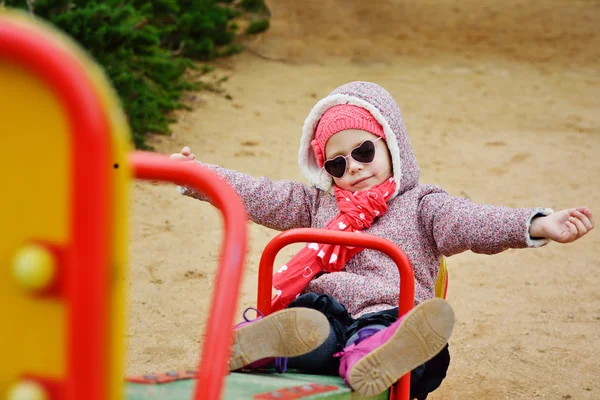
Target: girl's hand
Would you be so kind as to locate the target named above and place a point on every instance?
(563, 226)
(185, 155)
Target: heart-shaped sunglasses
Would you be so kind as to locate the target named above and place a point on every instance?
(364, 153)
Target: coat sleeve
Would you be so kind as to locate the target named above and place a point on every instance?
(279, 205)
(457, 224)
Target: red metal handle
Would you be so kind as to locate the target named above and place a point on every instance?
(407, 285)
(213, 363)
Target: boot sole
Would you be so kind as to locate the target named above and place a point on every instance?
(288, 333)
(420, 336)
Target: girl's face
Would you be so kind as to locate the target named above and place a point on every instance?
(359, 176)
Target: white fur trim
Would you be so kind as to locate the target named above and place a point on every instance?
(306, 158)
(536, 242)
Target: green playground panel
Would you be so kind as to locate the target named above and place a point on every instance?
(240, 386)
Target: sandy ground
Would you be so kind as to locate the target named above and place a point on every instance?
(502, 102)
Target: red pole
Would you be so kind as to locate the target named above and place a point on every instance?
(217, 341)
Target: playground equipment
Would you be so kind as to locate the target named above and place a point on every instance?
(66, 165)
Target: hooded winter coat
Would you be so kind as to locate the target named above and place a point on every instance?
(423, 220)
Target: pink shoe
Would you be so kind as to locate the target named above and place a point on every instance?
(374, 364)
(290, 332)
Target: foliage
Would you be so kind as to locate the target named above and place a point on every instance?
(146, 47)
(257, 6)
(257, 26)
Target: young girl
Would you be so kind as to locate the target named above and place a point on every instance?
(364, 177)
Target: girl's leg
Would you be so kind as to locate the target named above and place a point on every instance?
(286, 333)
(372, 365)
(320, 360)
(364, 332)
(425, 378)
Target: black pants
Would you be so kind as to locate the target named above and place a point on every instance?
(423, 379)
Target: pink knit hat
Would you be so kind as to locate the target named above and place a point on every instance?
(339, 118)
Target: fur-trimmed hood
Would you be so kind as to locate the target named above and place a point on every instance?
(383, 107)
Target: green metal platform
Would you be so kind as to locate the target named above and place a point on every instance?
(242, 386)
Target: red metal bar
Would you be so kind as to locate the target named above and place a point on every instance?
(217, 341)
(401, 391)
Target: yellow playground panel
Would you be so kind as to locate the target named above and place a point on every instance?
(62, 243)
(65, 170)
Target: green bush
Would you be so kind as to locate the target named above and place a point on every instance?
(258, 26)
(146, 47)
(257, 6)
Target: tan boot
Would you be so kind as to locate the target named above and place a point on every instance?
(374, 364)
(290, 332)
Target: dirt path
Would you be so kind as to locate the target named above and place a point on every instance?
(502, 102)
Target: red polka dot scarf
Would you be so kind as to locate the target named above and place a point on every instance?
(358, 210)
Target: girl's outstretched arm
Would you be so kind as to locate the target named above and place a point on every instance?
(563, 226)
(456, 224)
(279, 205)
